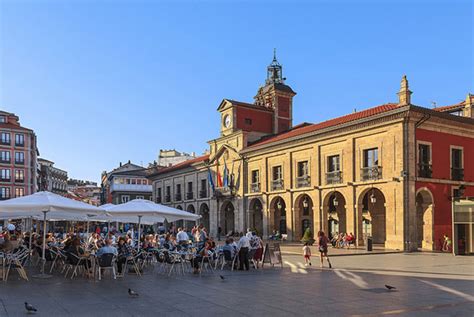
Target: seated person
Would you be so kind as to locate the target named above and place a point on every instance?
(202, 253)
(107, 249)
(229, 247)
(124, 251)
(7, 245)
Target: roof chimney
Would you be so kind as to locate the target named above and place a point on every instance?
(404, 94)
(120, 164)
(468, 112)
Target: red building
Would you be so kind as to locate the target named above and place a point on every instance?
(18, 154)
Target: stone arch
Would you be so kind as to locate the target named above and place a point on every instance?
(278, 215)
(205, 217)
(424, 218)
(227, 217)
(256, 215)
(304, 213)
(371, 203)
(334, 213)
(189, 224)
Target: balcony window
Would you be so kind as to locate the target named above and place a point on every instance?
(303, 179)
(158, 195)
(19, 192)
(19, 140)
(5, 138)
(424, 161)
(168, 194)
(457, 168)
(19, 176)
(5, 156)
(277, 178)
(125, 199)
(255, 184)
(4, 193)
(371, 169)
(189, 192)
(203, 191)
(177, 196)
(5, 175)
(3, 119)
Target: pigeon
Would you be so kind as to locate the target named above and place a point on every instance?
(29, 308)
(390, 287)
(132, 293)
(222, 278)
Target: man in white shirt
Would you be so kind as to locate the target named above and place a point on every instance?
(249, 233)
(182, 237)
(244, 246)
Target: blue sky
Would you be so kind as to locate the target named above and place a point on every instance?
(107, 81)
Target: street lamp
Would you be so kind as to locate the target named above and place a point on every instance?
(305, 203)
(373, 200)
(334, 201)
(279, 205)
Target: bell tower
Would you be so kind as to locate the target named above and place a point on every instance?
(277, 96)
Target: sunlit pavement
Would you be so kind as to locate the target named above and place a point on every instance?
(426, 285)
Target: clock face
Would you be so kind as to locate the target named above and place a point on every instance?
(227, 121)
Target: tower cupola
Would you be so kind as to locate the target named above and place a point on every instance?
(274, 72)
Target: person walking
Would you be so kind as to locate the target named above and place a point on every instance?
(323, 247)
(307, 254)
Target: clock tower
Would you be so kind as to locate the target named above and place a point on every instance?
(277, 96)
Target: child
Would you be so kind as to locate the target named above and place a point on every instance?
(307, 254)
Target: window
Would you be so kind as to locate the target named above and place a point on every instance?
(371, 157)
(4, 192)
(457, 170)
(158, 195)
(190, 187)
(277, 172)
(5, 175)
(371, 169)
(248, 121)
(140, 197)
(424, 160)
(19, 140)
(134, 181)
(19, 176)
(5, 138)
(19, 192)
(203, 191)
(334, 163)
(255, 176)
(168, 194)
(303, 169)
(3, 119)
(178, 189)
(19, 158)
(125, 199)
(5, 156)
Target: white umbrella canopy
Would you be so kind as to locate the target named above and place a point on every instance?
(149, 210)
(55, 207)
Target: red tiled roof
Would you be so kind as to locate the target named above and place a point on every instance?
(451, 107)
(299, 130)
(183, 164)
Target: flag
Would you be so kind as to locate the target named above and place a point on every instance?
(237, 182)
(219, 179)
(209, 176)
(226, 175)
(232, 176)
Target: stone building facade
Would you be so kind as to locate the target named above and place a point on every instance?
(51, 178)
(357, 173)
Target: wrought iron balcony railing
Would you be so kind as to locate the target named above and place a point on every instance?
(255, 187)
(425, 170)
(189, 195)
(371, 173)
(303, 181)
(277, 184)
(203, 193)
(334, 177)
(457, 174)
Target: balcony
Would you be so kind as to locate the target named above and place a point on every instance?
(168, 198)
(19, 180)
(371, 173)
(334, 177)
(189, 195)
(177, 197)
(425, 170)
(5, 161)
(457, 174)
(203, 193)
(158, 199)
(5, 179)
(130, 188)
(5, 142)
(255, 187)
(22, 162)
(303, 181)
(20, 144)
(277, 184)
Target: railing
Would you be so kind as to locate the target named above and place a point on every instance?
(203, 193)
(19, 144)
(189, 195)
(5, 142)
(5, 161)
(177, 197)
(255, 187)
(425, 170)
(19, 162)
(158, 199)
(334, 177)
(457, 174)
(19, 180)
(168, 198)
(371, 173)
(5, 179)
(277, 184)
(303, 181)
